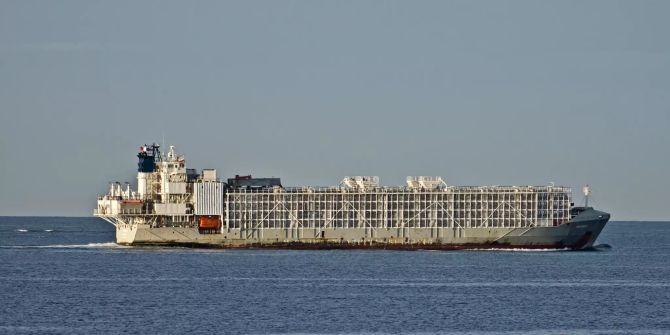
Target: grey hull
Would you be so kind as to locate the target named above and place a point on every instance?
(579, 233)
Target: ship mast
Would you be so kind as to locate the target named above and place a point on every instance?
(587, 192)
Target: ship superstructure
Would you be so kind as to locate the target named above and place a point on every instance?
(174, 205)
(164, 195)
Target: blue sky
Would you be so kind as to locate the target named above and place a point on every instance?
(479, 92)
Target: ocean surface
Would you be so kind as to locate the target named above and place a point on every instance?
(67, 276)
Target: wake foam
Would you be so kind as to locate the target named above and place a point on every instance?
(106, 245)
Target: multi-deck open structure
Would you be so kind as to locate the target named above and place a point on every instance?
(174, 205)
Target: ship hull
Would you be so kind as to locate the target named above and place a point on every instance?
(579, 233)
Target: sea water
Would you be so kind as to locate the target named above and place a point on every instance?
(67, 276)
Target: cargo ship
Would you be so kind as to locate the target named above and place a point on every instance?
(177, 206)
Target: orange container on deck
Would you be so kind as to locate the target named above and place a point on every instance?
(209, 222)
